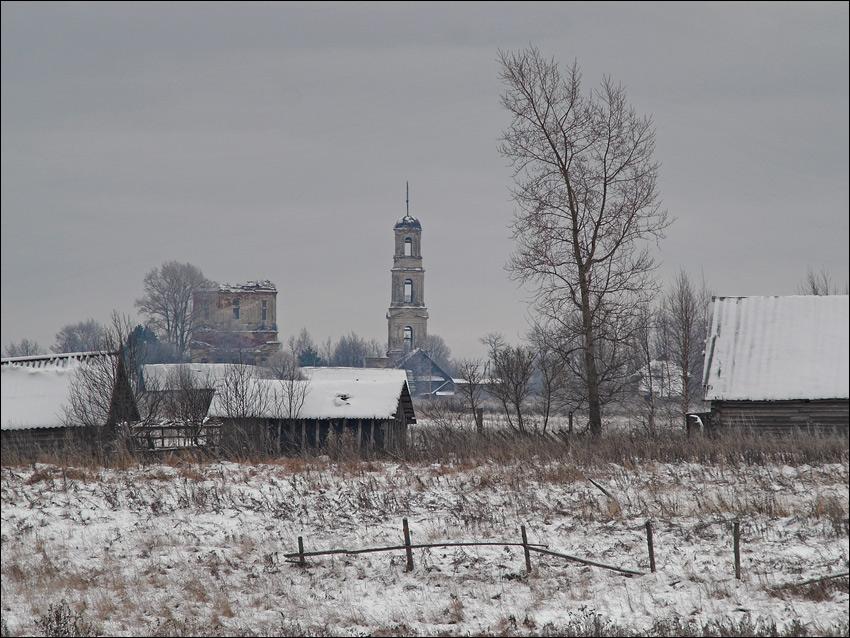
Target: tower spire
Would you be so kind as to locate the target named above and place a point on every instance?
(407, 199)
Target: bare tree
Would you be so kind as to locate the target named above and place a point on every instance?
(240, 396)
(23, 348)
(585, 185)
(84, 336)
(471, 387)
(352, 350)
(105, 385)
(511, 378)
(167, 301)
(645, 351)
(819, 283)
(289, 397)
(439, 352)
(188, 396)
(326, 351)
(553, 377)
(686, 309)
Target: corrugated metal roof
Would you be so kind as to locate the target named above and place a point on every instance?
(778, 348)
(36, 389)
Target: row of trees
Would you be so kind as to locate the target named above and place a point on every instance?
(588, 211)
(658, 361)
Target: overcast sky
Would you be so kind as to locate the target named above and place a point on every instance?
(274, 141)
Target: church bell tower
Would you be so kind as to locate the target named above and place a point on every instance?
(407, 318)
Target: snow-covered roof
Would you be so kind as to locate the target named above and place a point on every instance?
(34, 397)
(161, 376)
(666, 378)
(36, 389)
(778, 348)
(332, 393)
(353, 393)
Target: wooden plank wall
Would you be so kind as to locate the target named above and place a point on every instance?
(781, 416)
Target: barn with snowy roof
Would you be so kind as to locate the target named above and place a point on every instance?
(369, 407)
(779, 363)
(38, 398)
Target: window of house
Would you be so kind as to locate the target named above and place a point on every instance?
(236, 309)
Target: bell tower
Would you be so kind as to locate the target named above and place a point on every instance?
(407, 318)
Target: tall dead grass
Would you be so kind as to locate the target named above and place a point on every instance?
(733, 448)
(464, 448)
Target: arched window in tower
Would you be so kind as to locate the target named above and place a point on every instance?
(408, 247)
(408, 291)
(408, 338)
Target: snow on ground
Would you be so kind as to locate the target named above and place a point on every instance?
(199, 548)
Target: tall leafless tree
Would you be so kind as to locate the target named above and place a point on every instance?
(511, 378)
(820, 283)
(686, 308)
(167, 301)
(290, 396)
(240, 395)
(553, 378)
(104, 387)
(23, 348)
(650, 385)
(188, 395)
(84, 336)
(586, 187)
(439, 352)
(471, 387)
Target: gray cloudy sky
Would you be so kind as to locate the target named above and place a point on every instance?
(274, 141)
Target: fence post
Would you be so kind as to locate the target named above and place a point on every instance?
(409, 551)
(525, 549)
(736, 544)
(301, 560)
(649, 544)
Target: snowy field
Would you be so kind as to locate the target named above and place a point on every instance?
(189, 548)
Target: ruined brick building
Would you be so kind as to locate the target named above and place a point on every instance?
(235, 323)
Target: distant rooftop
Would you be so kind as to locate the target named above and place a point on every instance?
(249, 286)
(408, 222)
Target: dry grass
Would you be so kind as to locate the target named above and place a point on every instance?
(478, 484)
(459, 446)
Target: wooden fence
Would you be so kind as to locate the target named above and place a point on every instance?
(169, 436)
(300, 557)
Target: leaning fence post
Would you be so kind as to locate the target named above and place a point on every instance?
(409, 551)
(525, 549)
(736, 545)
(301, 560)
(649, 544)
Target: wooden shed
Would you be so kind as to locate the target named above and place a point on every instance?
(37, 399)
(779, 363)
(368, 407)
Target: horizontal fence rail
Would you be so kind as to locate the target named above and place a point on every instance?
(395, 548)
(300, 556)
